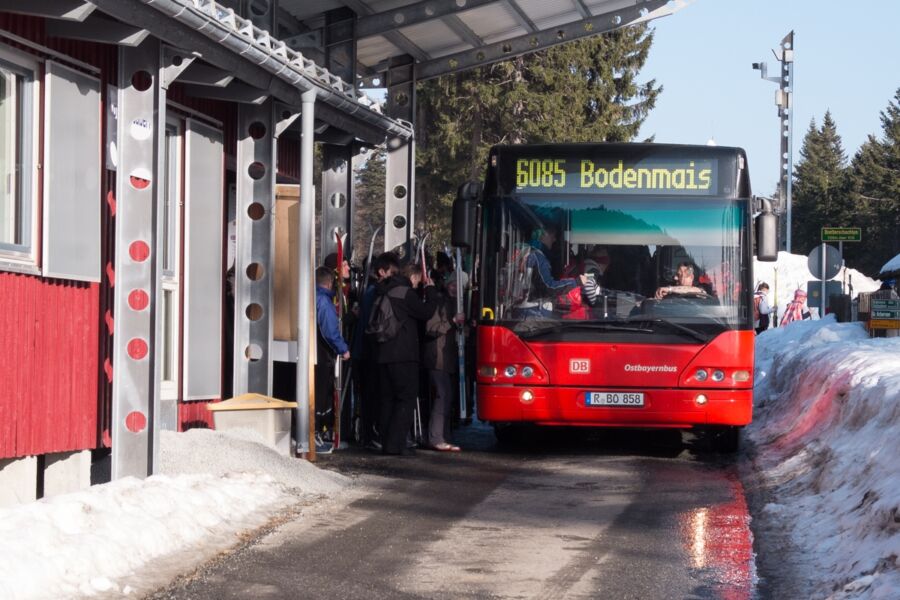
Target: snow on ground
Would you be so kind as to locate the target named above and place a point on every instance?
(793, 273)
(131, 536)
(826, 431)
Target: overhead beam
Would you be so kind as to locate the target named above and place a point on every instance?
(412, 14)
(525, 44)
(392, 35)
(234, 92)
(582, 9)
(463, 31)
(520, 16)
(98, 29)
(66, 10)
(201, 74)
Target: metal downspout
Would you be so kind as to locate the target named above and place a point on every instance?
(306, 318)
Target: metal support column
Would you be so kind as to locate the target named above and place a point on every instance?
(786, 116)
(337, 175)
(399, 206)
(337, 189)
(262, 13)
(135, 390)
(340, 44)
(254, 259)
(306, 316)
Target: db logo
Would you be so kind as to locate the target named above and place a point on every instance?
(579, 365)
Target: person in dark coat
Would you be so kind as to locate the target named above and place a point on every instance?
(398, 358)
(364, 348)
(441, 358)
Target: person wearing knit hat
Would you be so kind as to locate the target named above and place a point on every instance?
(796, 310)
(331, 262)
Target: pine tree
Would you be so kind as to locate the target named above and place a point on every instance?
(368, 211)
(820, 188)
(875, 185)
(586, 90)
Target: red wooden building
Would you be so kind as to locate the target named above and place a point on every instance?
(133, 140)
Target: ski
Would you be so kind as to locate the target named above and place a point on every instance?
(369, 257)
(461, 337)
(341, 304)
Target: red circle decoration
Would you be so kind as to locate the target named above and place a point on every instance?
(137, 348)
(135, 421)
(139, 251)
(139, 183)
(138, 299)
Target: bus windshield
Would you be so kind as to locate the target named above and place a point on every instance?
(580, 267)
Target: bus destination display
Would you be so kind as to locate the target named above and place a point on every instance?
(586, 176)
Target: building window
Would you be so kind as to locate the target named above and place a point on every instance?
(17, 159)
(170, 242)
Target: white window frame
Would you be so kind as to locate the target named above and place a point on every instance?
(23, 258)
(170, 279)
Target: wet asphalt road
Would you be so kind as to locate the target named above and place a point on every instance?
(608, 514)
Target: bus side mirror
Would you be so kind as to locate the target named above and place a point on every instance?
(462, 233)
(767, 237)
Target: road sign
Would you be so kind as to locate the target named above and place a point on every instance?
(841, 234)
(832, 261)
(885, 313)
(885, 304)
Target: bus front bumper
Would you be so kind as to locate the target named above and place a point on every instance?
(667, 408)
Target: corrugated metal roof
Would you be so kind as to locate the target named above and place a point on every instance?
(490, 30)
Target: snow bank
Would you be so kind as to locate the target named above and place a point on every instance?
(131, 536)
(790, 272)
(92, 542)
(238, 451)
(826, 429)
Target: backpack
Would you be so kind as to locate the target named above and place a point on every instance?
(756, 299)
(383, 324)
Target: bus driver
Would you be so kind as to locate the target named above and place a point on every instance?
(684, 283)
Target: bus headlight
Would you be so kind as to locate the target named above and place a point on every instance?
(701, 375)
(700, 399)
(528, 372)
(527, 397)
(510, 371)
(718, 375)
(487, 371)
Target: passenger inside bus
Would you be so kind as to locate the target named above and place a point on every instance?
(684, 283)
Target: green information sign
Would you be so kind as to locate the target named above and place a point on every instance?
(841, 234)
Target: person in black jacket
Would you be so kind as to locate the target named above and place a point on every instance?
(398, 358)
(442, 361)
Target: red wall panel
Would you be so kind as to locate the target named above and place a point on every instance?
(49, 365)
(195, 415)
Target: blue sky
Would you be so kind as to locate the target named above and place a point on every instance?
(847, 59)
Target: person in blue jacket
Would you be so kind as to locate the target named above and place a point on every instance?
(330, 345)
(544, 288)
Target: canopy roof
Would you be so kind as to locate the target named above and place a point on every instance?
(444, 36)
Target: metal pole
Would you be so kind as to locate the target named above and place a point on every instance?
(843, 270)
(822, 276)
(789, 68)
(305, 410)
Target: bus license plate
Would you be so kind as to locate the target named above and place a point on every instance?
(614, 399)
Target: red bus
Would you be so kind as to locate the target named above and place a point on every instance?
(615, 286)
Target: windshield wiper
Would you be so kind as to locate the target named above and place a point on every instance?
(592, 326)
(697, 335)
